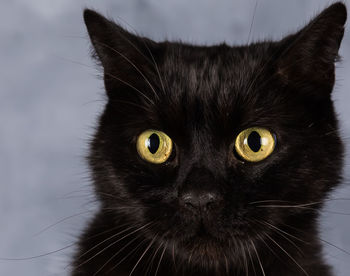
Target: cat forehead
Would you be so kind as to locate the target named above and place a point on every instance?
(207, 85)
(198, 68)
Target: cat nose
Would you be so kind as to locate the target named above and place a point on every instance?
(200, 201)
(200, 192)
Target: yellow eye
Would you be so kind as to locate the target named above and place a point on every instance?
(154, 146)
(255, 144)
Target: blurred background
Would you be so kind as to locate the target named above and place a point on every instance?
(51, 94)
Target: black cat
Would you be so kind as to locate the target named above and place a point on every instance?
(213, 160)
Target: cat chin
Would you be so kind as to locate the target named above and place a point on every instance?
(210, 254)
(207, 246)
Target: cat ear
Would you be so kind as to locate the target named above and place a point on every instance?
(308, 56)
(127, 59)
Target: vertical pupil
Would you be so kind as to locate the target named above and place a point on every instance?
(254, 141)
(153, 143)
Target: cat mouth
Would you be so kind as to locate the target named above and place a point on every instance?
(204, 246)
(209, 234)
(203, 235)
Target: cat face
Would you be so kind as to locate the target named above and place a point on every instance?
(202, 144)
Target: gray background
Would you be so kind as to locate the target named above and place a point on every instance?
(50, 95)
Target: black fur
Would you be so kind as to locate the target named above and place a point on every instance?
(202, 97)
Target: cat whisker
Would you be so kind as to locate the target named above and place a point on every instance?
(129, 41)
(259, 73)
(269, 200)
(267, 245)
(114, 77)
(78, 197)
(303, 208)
(111, 244)
(112, 196)
(244, 256)
(131, 86)
(131, 103)
(298, 204)
(160, 259)
(150, 263)
(335, 246)
(291, 206)
(100, 243)
(92, 102)
(320, 239)
(143, 254)
(130, 253)
(331, 132)
(132, 64)
(226, 264)
(282, 234)
(54, 251)
(250, 257)
(280, 247)
(116, 254)
(157, 68)
(119, 208)
(139, 51)
(148, 49)
(88, 191)
(257, 255)
(282, 231)
(252, 23)
(39, 256)
(60, 221)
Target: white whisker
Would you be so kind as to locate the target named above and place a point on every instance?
(257, 255)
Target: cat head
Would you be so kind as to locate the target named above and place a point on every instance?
(199, 142)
